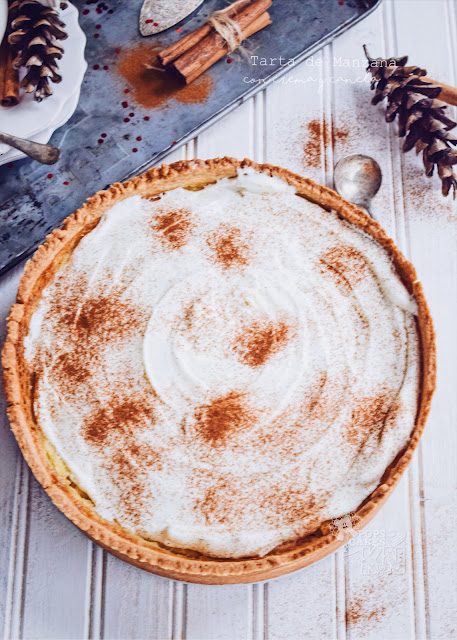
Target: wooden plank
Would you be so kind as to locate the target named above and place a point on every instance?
(11, 475)
(15, 481)
(418, 578)
(304, 605)
(379, 579)
(352, 126)
(295, 125)
(231, 136)
(136, 604)
(55, 572)
(379, 600)
(432, 238)
(119, 591)
(217, 613)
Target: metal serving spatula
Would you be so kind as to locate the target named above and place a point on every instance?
(158, 15)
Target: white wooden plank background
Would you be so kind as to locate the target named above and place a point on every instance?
(397, 579)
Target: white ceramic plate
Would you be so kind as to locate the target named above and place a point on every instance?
(29, 117)
(3, 17)
(45, 135)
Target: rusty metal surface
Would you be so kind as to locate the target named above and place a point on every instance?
(32, 204)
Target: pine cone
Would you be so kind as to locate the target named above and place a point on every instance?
(34, 32)
(421, 117)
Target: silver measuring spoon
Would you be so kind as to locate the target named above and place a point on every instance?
(358, 178)
(44, 153)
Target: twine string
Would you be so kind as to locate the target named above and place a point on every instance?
(228, 28)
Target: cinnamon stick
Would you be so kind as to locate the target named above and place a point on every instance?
(9, 77)
(213, 47)
(171, 53)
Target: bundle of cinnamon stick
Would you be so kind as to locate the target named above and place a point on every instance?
(9, 77)
(190, 56)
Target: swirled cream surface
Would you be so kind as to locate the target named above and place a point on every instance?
(223, 370)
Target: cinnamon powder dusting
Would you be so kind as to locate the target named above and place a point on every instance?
(226, 500)
(70, 368)
(84, 323)
(312, 146)
(217, 504)
(345, 265)
(259, 342)
(358, 612)
(229, 247)
(99, 315)
(153, 87)
(291, 505)
(369, 607)
(371, 414)
(318, 134)
(223, 416)
(129, 474)
(173, 228)
(123, 418)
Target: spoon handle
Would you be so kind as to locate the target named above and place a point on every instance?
(44, 153)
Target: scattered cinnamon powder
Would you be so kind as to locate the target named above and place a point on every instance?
(345, 265)
(312, 146)
(368, 414)
(221, 417)
(70, 368)
(340, 133)
(128, 470)
(125, 417)
(317, 135)
(173, 228)
(132, 498)
(217, 505)
(97, 316)
(229, 247)
(152, 88)
(359, 613)
(299, 427)
(317, 405)
(84, 323)
(366, 607)
(106, 314)
(259, 342)
(227, 499)
(292, 505)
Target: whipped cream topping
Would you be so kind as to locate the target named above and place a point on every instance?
(223, 370)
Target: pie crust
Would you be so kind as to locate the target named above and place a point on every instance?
(51, 472)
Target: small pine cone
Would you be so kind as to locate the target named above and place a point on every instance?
(34, 32)
(421, 117)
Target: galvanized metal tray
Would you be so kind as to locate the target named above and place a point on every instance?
(103, 143)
